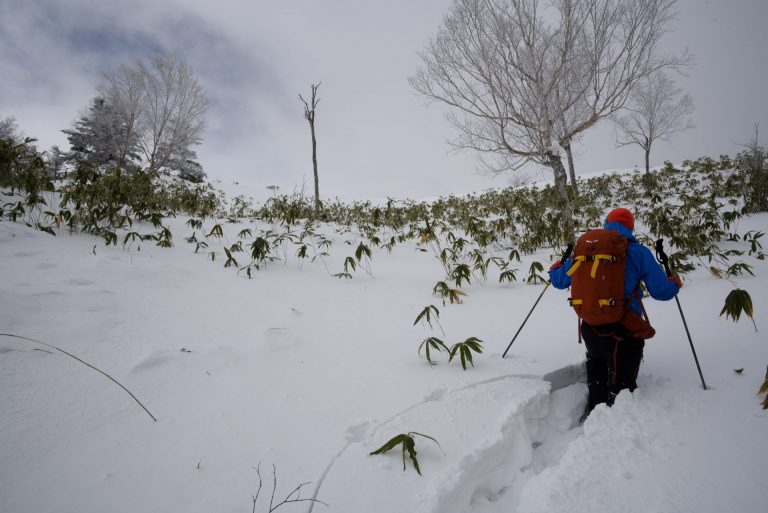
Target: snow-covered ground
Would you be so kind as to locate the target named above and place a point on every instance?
(309, 373)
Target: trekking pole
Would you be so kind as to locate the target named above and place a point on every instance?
(562, 261)
(660, 255)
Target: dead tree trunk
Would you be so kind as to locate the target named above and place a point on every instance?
(309, 115)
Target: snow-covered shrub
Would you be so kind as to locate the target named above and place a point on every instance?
(764, 390)
(23, 171)
(752, 165)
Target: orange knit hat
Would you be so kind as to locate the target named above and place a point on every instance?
(623, 216)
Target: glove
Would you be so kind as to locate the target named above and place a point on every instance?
(676, 280)
(557, 264)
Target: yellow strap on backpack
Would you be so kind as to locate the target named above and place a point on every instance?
(579, 259)
(576, 263)
(608, 258)
(601, 302)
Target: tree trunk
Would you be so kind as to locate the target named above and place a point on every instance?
(309, 115)
(314, 163)
(561, 189)
(571, 169)
(648, 160)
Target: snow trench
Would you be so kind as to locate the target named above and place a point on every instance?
(494, 435)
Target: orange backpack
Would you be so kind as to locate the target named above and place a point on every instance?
(597, 277)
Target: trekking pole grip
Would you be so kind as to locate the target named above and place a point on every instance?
(567, 253)
(661, 256)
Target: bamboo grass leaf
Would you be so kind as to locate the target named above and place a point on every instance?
(425, 314)
(464, 350)
(433, 343)
(408, 447)
(217, 232)
(361, 251)
(764, 390)
(349, 262)
(737, 302)
(390, 444)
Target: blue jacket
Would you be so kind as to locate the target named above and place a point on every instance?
(641, 266)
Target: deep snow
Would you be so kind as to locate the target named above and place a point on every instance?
(310, 373)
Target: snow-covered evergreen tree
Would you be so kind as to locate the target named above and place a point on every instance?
(55, 161)
(96, 135)
(186, 165)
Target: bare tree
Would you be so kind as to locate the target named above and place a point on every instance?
(173, 113)
(521, 82)
(658, 110)
(9, 130)
(309, 115)
(123, 89)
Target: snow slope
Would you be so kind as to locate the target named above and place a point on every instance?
(310, 373)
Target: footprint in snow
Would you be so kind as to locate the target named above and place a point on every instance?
(48, 293)
(36, 350)
(80, 282)
(154, 359)
(435, 395)
(357, 433)
(280, 339)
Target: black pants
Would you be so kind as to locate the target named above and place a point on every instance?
(613, 361)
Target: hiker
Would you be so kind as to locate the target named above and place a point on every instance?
(614, 349)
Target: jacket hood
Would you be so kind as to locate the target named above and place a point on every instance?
(623, 230)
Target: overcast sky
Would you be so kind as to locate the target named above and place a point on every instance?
(376, 138)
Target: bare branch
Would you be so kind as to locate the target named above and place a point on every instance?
(258, 491)
(292, 497)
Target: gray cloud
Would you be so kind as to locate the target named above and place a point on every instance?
(376, 138)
